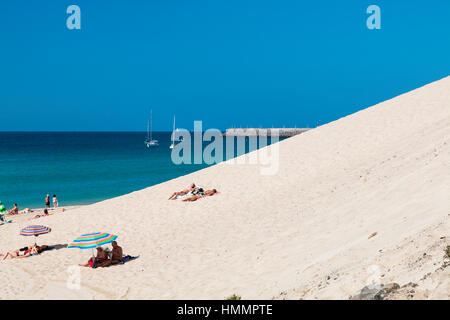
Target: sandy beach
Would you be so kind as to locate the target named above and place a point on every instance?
(362, 199)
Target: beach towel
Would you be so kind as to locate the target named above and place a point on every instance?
(125, 259)
(187, 195)
(128, 258)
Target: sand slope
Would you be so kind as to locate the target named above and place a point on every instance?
(302, 233)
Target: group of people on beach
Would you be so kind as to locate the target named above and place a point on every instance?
(54, 200)
(15, 209)
(193, 193)
(105, 258)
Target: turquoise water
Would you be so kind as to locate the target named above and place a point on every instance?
(82, 167)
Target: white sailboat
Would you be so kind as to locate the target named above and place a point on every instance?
(173, 135)
(149, 142)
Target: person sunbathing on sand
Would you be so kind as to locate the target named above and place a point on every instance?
(116, 256)
(31, 251)
(102, 256)
(191, 188)
(14, 210)
(41, 215)
(207, 193)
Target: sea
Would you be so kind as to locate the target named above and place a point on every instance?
(86, 167)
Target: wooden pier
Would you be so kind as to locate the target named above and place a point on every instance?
(251, 132)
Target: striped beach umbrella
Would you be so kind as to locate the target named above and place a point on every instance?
(91, 241)
(2, 211)
(35, 230)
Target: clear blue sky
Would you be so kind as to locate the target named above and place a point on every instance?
(226, 62)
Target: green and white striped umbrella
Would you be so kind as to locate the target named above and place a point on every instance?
(2, 208)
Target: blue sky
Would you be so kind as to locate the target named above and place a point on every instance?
(226, 62)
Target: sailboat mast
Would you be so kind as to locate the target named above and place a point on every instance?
(173, 132)
(150, 124)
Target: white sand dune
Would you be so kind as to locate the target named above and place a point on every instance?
(301, 233)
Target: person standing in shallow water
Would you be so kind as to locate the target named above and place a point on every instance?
(47, 202)
(55, 202)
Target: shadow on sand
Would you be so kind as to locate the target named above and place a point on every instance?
(56, 247)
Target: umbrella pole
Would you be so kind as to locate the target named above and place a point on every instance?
(93, 258)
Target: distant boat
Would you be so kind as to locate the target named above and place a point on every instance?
(173, 135)
(149, 142)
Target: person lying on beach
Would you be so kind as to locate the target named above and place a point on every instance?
(14, 210)
(41, 215)
(116, 256)
(207, 193)
(101, 257)
(31, 251)
(191, 188)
